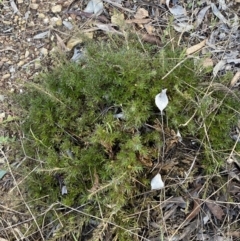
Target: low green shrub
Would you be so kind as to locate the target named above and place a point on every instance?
(89, 124)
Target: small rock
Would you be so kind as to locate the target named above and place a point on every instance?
(4, 59)
(53, 50)
(208, 62)
(56, 21)
(59, 22)
(12, 69)
(6, 76)
(21, 63)
(68, 25)
(26, 54)
(15, 218)
(34, 6)
(57, 9)
(44, 51)
(20, 1)
(31, 24)
(37, 65)
(15, 19)
(2, 97)
(6, 22)
(41, 15)
(26, 15)
(2, 116)
(46, 21)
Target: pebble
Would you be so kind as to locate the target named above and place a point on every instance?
(31, 24)
(15, 19)
(57, 9)
(2, 97)
(34, 6)
(4, 59)
(44, 51)
(41, 15)
(6, 76)
(26, 54)
(12, 69)
(20, 63)
(46, 21)
(56, 21)
(37, 65)
(68, 25)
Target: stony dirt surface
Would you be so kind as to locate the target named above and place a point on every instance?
(22, 56)
(21, 50)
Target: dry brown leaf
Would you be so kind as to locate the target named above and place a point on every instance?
(151, 39)
(188, 230)
(14, 7)
(145, 160)
(141, 13)
(234, 233)
(176, 10)
(233, 175)
(218, 14)
(219, 66)
(73, 41)
(201, 15)
(117, 18)
(215, 209)
(195, 211)
(149, 28)
(207, 63)
(196, 47)
(170, 212)
(169, 165)
(235, 79)
(60, 43)
(178, 200)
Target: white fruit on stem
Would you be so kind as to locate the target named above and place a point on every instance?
(157, 183)
(161, 100)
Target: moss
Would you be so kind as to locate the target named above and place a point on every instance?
(72, 127)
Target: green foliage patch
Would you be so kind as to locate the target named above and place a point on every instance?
(88, 124)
